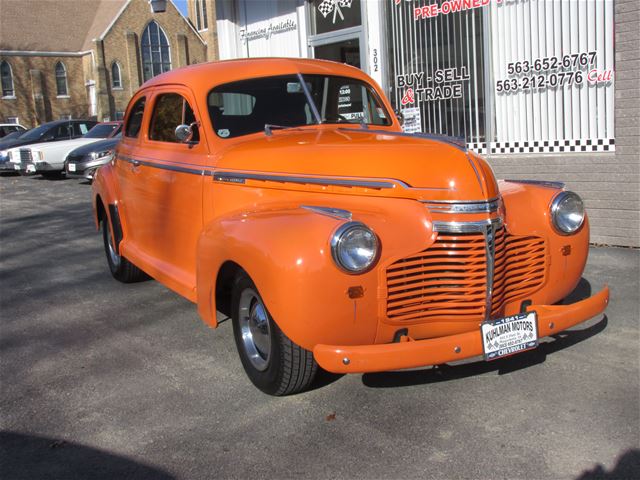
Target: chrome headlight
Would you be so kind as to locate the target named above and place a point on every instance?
(354, 247)
(97, 155)
(567, 212)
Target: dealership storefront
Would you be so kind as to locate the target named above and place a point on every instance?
(525, 82)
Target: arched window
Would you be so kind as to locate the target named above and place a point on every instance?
(61, 79)
(7, 79)
(156, 54)
(116, 78)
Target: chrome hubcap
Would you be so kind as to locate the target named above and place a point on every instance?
(255, 329)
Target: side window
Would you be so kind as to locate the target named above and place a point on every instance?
(134, 121)
(64, 130)
(170, 111)
(79, 129)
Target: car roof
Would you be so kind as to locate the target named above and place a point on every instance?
(231, 70)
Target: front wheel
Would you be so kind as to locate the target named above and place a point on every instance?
(274, 364)
(121, 268)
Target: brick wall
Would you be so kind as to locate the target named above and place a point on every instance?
(34, 83)
(122, 44)
(608, 183)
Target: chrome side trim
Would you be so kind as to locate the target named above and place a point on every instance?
(239, 177)
(468, 206)
(329, 212)
(480, 182)
(541, 183)
(467, 227)
(164, 166)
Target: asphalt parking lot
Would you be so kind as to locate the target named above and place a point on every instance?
(105, 380)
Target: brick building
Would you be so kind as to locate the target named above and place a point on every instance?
(86, 58)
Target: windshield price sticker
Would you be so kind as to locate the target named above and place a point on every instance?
(509, 335)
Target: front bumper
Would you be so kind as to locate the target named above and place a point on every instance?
(6, 166)
(86, 170)
(409, 353)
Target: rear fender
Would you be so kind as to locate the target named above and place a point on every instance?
(103, 192)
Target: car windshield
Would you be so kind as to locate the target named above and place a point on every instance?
(255, 105)
(102, 130)
(35, 133)
(14, 134)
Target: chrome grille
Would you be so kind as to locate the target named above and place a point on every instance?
(25, 154)
(448, 281)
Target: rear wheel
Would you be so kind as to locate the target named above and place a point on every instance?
(121, 268)
(274, 364)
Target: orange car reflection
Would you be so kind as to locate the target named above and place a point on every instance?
(283, 193)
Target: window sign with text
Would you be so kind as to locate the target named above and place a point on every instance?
(525, 76)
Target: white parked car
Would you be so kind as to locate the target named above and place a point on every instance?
(48, 158)
(9, 128)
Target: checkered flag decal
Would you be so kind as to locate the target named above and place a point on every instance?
(329, 6)
(326, 7)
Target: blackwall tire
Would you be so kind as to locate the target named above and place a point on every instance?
(273, 363)
(122, 269)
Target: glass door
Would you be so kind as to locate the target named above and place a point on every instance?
(336, 31)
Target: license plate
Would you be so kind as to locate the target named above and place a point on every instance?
(16, 166)
(72, 167)
(509, 335)
(31, 169)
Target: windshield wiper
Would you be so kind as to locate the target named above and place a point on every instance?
(269, 127)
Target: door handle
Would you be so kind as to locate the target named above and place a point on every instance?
(135, 164)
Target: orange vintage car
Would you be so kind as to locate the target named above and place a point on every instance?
(284, 194)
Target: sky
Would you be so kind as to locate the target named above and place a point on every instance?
(182, 6)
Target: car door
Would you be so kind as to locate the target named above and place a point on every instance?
(166, 180)
(127, 175)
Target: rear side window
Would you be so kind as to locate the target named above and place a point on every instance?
(80, 129)
(170, 111)
(64, 130)
(134, 121)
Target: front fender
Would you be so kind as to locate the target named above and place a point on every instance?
(287, 254)
(527, 212)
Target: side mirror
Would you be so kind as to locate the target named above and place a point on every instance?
(184, 133)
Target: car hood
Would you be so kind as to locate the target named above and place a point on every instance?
(63, 144)
(14, 142)
(426, 168)
(98, 146)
